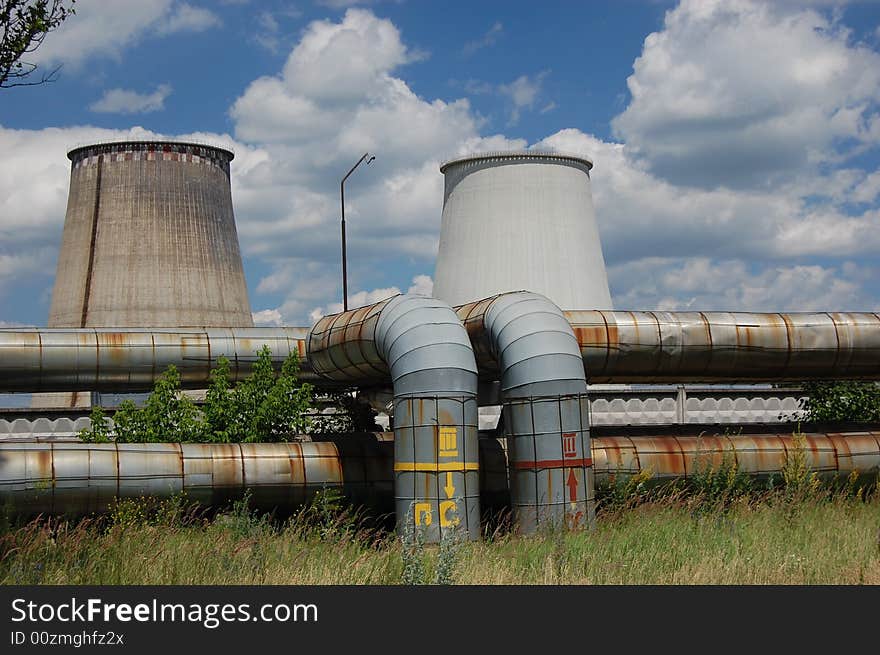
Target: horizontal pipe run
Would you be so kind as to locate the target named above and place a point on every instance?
(130, 360)
(646, 347)
(78, 479)
(663, 458)
(616, 347)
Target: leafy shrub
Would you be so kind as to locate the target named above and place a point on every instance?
(263, 407)
(841, 400)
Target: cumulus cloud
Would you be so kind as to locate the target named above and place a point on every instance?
(337, 97)
(267, 318)
(101, 28)
(522, 94)
(125, 101)
(673, 237)
(187, 18)
(639, 212)
(422, 285)
(748, 94)
(699, 283)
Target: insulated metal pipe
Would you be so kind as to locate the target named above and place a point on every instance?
(111, 359)
(722, 346)
(545, 407)
(616, 347)
(76, 479)
(79, 478)
(420, 344)
(663, 457)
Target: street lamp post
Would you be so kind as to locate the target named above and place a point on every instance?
(342, 199)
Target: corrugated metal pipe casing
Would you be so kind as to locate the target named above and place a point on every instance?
(716, 346)
(423, 346)
(545, 408)
(130, 359)
(80, 478)
(830, 455)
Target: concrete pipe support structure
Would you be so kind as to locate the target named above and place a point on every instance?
(423, 346)
(545, 407)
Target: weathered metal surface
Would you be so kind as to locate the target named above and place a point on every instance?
(109, 359)
(830, 455)
(615, 347)
(543, 393)
(78, 478)
(717, 346)
(420, 344)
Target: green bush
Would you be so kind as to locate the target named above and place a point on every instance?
(264, 407)
(842, 400)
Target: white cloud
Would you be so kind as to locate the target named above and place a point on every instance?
(101, 28)
(336, 98)
(422, 285)
(267, 318)
(486, 40)
(125, 101)
(698, 283)
(522, 93)
(805, 242)
(748, 94)
(187, 18)
(640, 214)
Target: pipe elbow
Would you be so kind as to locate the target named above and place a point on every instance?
(535, 346)
(417, 342)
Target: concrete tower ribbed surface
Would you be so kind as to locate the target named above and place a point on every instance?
(149, 239)
(520, 220)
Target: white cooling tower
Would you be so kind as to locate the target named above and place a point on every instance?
(520, 220)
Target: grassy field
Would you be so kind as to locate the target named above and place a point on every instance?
(767, 538)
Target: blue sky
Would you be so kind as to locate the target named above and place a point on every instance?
(735, 143)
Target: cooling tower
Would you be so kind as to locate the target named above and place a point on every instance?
(149, 239)
(520, 220)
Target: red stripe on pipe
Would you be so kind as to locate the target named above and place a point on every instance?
(553, 463)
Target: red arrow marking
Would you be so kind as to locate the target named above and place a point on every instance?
(572, 485)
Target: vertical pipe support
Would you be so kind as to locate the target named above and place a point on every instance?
(422, 345)
(545, 412)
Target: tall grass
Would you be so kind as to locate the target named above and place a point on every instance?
(670, 535)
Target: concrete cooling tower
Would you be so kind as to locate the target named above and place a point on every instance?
(149, 239)
(520, 220)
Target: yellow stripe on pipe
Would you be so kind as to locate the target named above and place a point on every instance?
(430, 466)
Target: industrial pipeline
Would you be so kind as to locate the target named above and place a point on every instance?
(616, 347)
(546, 411)
(78, 478)
(421, 345)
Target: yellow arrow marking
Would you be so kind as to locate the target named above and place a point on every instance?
(450, 487)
